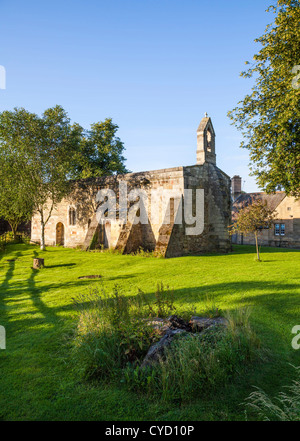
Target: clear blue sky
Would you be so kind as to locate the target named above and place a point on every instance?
(154, 66)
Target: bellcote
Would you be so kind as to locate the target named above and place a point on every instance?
(206, 142)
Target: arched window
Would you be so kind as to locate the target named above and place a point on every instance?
(72, 216)
(209, 140)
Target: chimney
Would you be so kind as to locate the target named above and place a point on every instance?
(236, 186)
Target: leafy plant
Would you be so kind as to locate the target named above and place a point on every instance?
(164, 302)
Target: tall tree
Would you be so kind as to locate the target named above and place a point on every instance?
(16, 205)
(17, 139)
(269, 117)
(58, 143)
(39, 150)
(40, 155)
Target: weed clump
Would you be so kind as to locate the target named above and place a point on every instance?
(114, 334)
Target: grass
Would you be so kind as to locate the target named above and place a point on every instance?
(38, 311)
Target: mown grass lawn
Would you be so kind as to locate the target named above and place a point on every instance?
(36, 307)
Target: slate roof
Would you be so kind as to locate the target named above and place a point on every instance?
(272, 200)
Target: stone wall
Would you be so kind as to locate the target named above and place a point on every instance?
(217, 213)
(167, 238)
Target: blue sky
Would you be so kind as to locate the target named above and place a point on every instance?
(154, 66)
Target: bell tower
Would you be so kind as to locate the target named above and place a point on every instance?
(206, 142)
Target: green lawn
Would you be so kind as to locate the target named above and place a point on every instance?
(37, 310)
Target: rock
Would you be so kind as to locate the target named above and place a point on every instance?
(172, 322)
(176, 322)
(173, 326)
(157, 350)
(200, 323)
(159, 324)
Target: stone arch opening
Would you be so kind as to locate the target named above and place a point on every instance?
(209, 140)
(60, 234)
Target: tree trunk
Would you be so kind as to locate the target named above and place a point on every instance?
(256, 242)
(14, 229)
(43, 236)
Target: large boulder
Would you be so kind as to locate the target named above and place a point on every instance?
(157, 350)
(171, 327)
(198, 324)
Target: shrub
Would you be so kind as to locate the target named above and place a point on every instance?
(284, 407)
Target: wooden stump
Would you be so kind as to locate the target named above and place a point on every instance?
(38, 263)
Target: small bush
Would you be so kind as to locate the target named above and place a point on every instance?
(284, 407)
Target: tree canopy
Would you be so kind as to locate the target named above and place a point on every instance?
(40, 155)
(269, 117)
(100, 152)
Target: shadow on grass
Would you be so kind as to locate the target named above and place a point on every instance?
(277, 300)
(35, 295)
(62, 265)
(4, 287)
(251, 249)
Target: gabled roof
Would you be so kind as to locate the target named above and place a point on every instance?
(206, 121)
(272, 200)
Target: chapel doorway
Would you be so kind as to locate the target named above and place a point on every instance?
(60, 234)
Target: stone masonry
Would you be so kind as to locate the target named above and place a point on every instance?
(74, 221)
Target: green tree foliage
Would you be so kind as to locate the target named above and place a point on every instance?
(57, 143)
(269, 117)
(15, 202)
(252, 219)
(40, 155)
(39, 150)
(100, 152)
(17, 135)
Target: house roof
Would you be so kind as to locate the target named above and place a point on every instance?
(272, 200)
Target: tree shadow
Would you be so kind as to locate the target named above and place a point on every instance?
(5, 286)
(62, 265)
